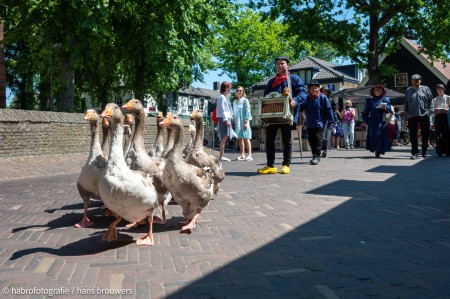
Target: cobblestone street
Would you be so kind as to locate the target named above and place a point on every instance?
(352, 227)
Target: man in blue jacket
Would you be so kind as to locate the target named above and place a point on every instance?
(318, 112)
(278, 83)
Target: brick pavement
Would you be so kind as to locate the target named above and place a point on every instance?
(352, 227)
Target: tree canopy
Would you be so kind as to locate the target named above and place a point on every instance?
(101, 47)
(362, 30)
(246, 45)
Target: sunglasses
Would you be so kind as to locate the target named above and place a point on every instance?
(239, 90)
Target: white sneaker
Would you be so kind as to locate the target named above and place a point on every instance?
(241, 158)
(249, 158)
(225, 159)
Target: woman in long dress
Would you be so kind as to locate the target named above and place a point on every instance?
(374, 116)
(242, 117)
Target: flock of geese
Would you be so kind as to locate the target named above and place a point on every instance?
(133, 182)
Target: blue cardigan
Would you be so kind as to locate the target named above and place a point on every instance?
(298, 92)
(318, 112)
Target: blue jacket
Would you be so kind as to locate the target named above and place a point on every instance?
(298, 92)
(318, 112)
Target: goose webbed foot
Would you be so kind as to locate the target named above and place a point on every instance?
(190, 225)
(111, 233)
(85, 222)
(146, 240)
(135, 224)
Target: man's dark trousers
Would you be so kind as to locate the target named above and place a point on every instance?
(271, 133)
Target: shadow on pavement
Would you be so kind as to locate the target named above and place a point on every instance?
(390, 239)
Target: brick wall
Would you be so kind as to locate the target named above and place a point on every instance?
(25, 133)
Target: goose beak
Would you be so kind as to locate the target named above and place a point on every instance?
(105, 122)
(107, 112)
(128, 106)
(88, 115)
(166, 122)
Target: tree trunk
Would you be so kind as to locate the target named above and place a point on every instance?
(44, 95)
(2, 70)
(373, 68)
(67, 61)
(67, 82)
(139, 84)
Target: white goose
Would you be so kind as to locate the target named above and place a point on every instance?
(140, 160)
(190, 186)
(91, 172)
(129, 194)
(199, 157)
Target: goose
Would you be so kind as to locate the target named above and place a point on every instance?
(91, 171)
(158, 147)
(190, 186)
(190, 143)
(199, 157)
(170, 139)
(141, 161)
(127, 193)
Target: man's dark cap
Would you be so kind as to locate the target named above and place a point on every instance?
(312, 83)
(282, 58)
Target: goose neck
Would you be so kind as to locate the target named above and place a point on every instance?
(199, 133)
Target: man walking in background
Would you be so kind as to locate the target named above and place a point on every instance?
(418, 111)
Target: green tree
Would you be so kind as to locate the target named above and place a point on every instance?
(362, 30)
(245, 47)
(163, 45)
(104, 46)
(247, 44)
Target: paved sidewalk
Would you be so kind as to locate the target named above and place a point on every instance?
(352, 227)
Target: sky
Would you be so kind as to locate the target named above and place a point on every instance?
(209, 78)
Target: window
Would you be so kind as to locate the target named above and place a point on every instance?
(401, 80)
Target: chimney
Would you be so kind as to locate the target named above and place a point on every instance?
(216, 85)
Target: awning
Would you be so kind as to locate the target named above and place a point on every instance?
(364, 92)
